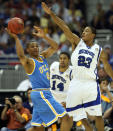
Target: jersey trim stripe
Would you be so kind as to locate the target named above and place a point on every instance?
(33, 68)
(97, 62)
(35, 124)
(70, 75)
(85, 105)
(52, 108)
(98, 54)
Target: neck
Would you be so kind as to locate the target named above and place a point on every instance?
(89, 43)
(63, 69)
(36, 57)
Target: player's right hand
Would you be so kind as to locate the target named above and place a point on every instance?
(38, 32)
(11, 34)
(46, 8)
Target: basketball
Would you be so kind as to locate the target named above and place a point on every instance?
(16, 25)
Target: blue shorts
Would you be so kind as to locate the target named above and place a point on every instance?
(45, 109)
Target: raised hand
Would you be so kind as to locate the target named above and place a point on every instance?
(38, 32)
(46, 8)
(11, 34)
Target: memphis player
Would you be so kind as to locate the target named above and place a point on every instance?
(84, 95)
(60, 77)
(46, 110)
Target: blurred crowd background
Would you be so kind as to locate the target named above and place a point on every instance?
(77, 14)
(73, 12)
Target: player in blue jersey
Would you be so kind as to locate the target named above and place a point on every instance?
(84, 95)
(45, 109)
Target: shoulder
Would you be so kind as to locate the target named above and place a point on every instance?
(81, 43)
(54, 65)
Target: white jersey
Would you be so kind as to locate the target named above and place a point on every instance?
(84, 60)
(59, 82)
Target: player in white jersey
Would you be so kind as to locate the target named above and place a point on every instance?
(60, 77)
(84, 95)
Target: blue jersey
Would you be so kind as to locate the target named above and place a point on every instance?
(39, 77)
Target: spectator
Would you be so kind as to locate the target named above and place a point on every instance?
(111, 85)
(106, 97)
(3, 39)
(15, 113)
(98, 20)
(28, 103)
(109, 13)
(108, 114)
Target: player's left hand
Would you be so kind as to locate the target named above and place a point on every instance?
(38, 32)
(63, 104)
(11, 34)
(46, 8)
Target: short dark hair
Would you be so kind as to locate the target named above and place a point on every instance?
(30, 42)
(92, 29)
(65, 53)
(104, 79)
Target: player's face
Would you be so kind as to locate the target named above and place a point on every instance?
(33, 49)
(87, 34)
(63, 60)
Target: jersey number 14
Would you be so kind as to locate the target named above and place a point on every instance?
(60, 86)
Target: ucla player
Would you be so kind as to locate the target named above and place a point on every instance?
(60, 77)
(45, 110)
(84, 95)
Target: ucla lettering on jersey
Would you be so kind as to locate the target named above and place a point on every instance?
(84, 60)
(40, 76)
(59, 81)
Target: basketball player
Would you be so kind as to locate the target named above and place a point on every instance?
(60, 76)
(45, 110)
(84, 95)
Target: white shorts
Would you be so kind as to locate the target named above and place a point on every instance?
(59, 96)
(83, 97)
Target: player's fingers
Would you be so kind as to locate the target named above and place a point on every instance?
(34, 33)
(43, 4)
(37, 28)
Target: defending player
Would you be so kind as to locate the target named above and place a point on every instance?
(84, 94)
(45, 110)
(60, 77)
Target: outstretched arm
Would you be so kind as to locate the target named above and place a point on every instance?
(53, 45)
(74, 39)
(107, 67)
(25, 61)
